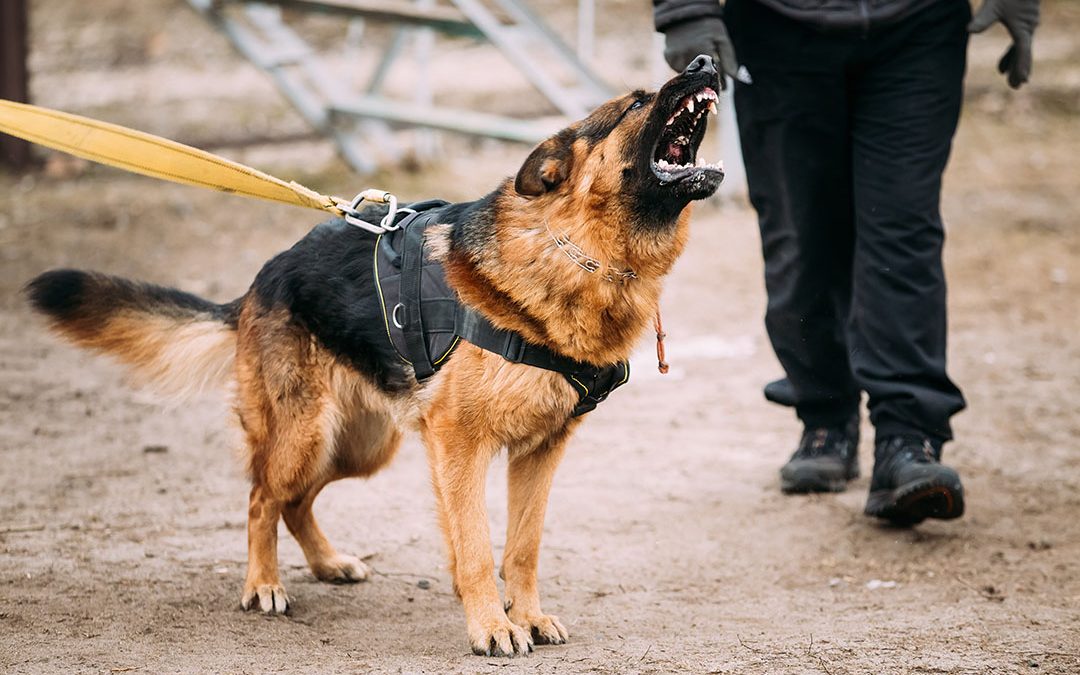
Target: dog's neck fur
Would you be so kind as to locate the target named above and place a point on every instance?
(522, 281)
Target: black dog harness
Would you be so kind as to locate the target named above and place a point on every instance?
(425, 320)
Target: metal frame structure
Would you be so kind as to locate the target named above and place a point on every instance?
(14, 77)
(359, 121)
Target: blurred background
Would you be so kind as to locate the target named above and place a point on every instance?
(668, 546)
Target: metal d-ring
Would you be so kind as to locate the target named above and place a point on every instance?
(394, 315)
(388, 220)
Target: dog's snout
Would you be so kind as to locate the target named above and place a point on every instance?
(702, 63)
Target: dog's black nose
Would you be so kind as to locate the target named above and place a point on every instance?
(702, 63)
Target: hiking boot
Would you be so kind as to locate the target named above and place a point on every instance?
(910, 484)
(826, 460)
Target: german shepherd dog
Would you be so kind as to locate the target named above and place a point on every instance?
(322, 395)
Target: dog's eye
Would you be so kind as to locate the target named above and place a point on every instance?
(635, 105)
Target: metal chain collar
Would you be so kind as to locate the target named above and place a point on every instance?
(587, 262)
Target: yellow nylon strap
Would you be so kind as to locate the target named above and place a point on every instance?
(150, 155)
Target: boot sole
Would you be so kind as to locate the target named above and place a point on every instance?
(913, 503)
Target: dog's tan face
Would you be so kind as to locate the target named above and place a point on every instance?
(637, 154)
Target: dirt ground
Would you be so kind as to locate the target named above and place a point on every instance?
(668, 546)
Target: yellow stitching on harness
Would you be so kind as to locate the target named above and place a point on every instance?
(449, 350)
(151, 155)
(578, 383)
(382, 303)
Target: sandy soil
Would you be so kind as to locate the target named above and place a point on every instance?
(668, 545)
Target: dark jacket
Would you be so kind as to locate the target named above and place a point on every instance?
(826, 14)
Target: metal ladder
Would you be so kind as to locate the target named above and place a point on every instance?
(358, 120)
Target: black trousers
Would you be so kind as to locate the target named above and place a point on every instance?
(845, 137)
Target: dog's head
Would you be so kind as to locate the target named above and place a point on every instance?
(636, 154)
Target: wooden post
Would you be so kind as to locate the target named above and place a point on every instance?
(14, 78)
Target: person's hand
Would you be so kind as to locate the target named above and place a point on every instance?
(1020, 18)
(707, 36)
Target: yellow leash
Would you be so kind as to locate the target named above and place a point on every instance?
(158, 157)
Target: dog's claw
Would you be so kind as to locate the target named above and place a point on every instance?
(269, 598)
(343, 569)
(548, 630)
(503, 638)
(545, 629)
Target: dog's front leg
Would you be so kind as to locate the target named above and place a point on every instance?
(530, 475)
(459, 468)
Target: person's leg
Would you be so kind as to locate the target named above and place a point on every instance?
(905, 107)
(906, 96)
(793, 125)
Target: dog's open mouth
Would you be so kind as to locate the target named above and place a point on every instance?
(676, 154)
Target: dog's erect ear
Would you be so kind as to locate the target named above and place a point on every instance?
(546, 167)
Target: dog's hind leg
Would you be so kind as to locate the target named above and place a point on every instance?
(289, 469)
(288, 416)
(362, 439)
(529, 474)
(325, 563)
(284, 483)
(262, 587)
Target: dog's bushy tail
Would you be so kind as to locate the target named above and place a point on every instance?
(173, 340)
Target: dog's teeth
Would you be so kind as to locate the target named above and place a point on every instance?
(712, 106)
(690, 105)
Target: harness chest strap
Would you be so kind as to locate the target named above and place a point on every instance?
(593, 383)
(412, 260)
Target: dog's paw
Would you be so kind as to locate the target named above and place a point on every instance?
(341, 569)
(270, 598)
(499, 637)
(546, 629)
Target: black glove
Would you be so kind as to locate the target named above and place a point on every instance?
(1020, 18)
(707, 35)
